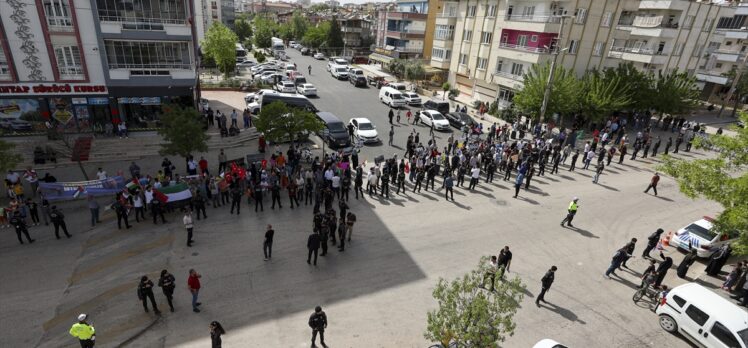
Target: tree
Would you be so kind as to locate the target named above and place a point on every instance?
(316, 37)
(675, 93)
(722, 179)
(335, 36)
(470, 315)
(299, 25)
(445, 88)
(220, 44)
(280, 123)
(601, 95)
(263, 32)
(8, 159)
(285, 32)
(564, 95)
(183, 131)
(414, 72)
(740, 91)
(397, 67)
(243, 29)
(640, 84)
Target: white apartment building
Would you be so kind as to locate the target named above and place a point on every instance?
(727, 50)
(488, 45)
(209, 11)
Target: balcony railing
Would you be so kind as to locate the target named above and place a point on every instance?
(509, 75)
(625, 21)
(447, 15)
(141, 20)
(536, 18)
(640, 50)
(524, 48)
(408, 49)
(652, 22)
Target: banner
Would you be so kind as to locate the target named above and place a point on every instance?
(65, 191)
(173, 193)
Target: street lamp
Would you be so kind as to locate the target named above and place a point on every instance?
(549, 83)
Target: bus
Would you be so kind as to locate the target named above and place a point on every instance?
(241, 53)
(277, 44)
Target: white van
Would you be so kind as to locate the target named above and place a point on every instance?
(703, 317)
(391, 97)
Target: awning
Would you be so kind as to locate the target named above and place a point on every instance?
(380, 58)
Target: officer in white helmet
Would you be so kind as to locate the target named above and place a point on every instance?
(84, 332)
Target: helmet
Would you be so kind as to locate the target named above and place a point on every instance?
(82, 317)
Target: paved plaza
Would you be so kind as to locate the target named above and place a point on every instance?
(377, 292)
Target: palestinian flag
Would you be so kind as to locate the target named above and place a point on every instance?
(173, 193)
(132, 185)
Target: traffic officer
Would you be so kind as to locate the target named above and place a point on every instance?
(571, 212)
(546, 283)
(318, 323)
(84, 332)
(58, 220)
(20, 225)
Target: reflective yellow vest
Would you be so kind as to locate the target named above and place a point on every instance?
(573, 207)
(82, 331)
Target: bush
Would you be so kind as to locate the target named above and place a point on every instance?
(453, 93)
(493, 108)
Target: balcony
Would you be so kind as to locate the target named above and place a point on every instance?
(538, 22)
(734, 33)
(728, 55)
(117, 25)
(741, 10)
(679, 5)
(60, 24)
(405, 35)
(440, 63)
(711, 77)
(407, 15)
(641, 55)
(406, 49)
(527, 54)
(71, 73)
(653, 26)
(351, 29)
(446, 20)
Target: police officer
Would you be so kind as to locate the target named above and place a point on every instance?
(20, 225)
(236, 198)
(386, 184)
(121, 214)
(198, 202)
(318, 323)
(571, 212)
(448, 187)
(546, 283)
(145, 292)
(156, 210)
(313, 243)
(275, 195)
(166, 282)
(58, 220)
(359, 182)
(84, 332)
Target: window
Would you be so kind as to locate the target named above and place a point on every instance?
(4, 66)
(463, 59)
(697, 315)
(533, 38)
(148, 57)
(573, 46)
(450, 11)
(441, 54)
(708, 25)
(517, 69)
(522, 41)
(607, 19)
(718, 65)
(688, 22)
(580, 15)
(598, 49)
(499, 66)
(679, 300)
(505, 95)
(467, 35)
(69, 62)
(528, 12)
(724, 335)
(486, 37)
(144, 14)
(491, 11)
(482, 63)
(471, 11)
(444, 32)
(57, 13)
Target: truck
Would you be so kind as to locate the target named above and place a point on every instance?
(277, 44)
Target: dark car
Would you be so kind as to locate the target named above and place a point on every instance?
(306, 51)
(459, 119)
(357, 80)
(439, 105)
(337, 134)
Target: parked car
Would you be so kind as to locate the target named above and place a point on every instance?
(306, 89)
(438, 105)
(285, 87)
(429, 117)
(245, 64)
(548, 343)
(337, 135)
(375, 81)
(412, 98)
(339, 72)
(701, 236)
(305, 51)
(391, 97)
(253, 97)
(459, 119)
(398, 86)
(364, 130)
(275, 76)
(319, 55)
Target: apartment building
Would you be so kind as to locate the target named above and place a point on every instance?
(727, 50)
(356, 30)
(401, 33)
(488, 45)
(210, 11)
(89, 62)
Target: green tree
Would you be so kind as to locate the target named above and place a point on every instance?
(316, 37)
(564, 95)
(335, 36)
(243, 29)
(285, 32)
(8, 159)
(182, 129)
(397, 67)
(263, 32)
(639, 83)
(722, 178)
(601, 96)
(740, 91)
(414, 72)
(280, 123)
(675, 92)
(445, 88)
(470, 315)
(220, 44)
(299, 25)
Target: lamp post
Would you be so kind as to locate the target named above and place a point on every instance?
(549, 84)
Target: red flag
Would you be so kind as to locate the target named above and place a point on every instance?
(160, 196)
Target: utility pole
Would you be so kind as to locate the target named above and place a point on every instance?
(549, 84)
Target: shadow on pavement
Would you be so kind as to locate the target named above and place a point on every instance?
(565, 313)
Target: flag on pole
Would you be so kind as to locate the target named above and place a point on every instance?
(172, 193)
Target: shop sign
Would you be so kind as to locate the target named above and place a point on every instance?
(385, 52)
(140, 100)
(44, 88)
(79, 101)
(98, 101)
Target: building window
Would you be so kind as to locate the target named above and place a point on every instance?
(447, 54)
(580, 15)
(697, 50)
(143, 14)
(450, 11)
(467, 35)
(148, 57)
(499, 66)
(482, 63)
(718, 66)
(57, 13)
(505, 95)
(528, 12)
(471, 11)
(491, 11)
(444, 32)
(533, 38)
(4, 66)
(441, 54)
(486, 37)
(688, 22)
(522, 41)
(573, 46)
(463, 59)
(607, 19)
(69, 62)
(598, 49)
(517, 69)
(708, 25)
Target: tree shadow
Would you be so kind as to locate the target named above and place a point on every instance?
(563, 312)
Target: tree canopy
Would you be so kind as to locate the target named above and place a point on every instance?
(299, 25)
(602, 94)
(335, 36)
(722, 178)
(220, 44)
(183, 131)
(8, 159)
(264, 29)
(243, 29)
(676, 93)
(316, 37)
(740, 91)
(470, 315)
(564, 95)
(280, 123)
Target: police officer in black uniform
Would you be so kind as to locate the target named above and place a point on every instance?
(145, 292)
(20, 225)
(546, 283)
(156, 210)
(198, 202)
(58, 220)
(166, 282)
(121, 214)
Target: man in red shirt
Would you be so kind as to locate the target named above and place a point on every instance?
(653, 183)
(203, 164)
(193, 283)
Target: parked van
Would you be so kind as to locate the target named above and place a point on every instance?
(704, 317)
(398, 86)
(391, 97)
(438, 105)
(337, 134)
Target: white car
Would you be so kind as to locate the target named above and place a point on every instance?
(245, 64)
(548, 343)
(700, 236)
(412, 98)
(429, 117)
(319, 55)
(306, 89)
(339, 72)
(285, 87)
(271, 78)
(252, 97)
(364, 130)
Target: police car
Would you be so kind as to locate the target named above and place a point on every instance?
(700, 236)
